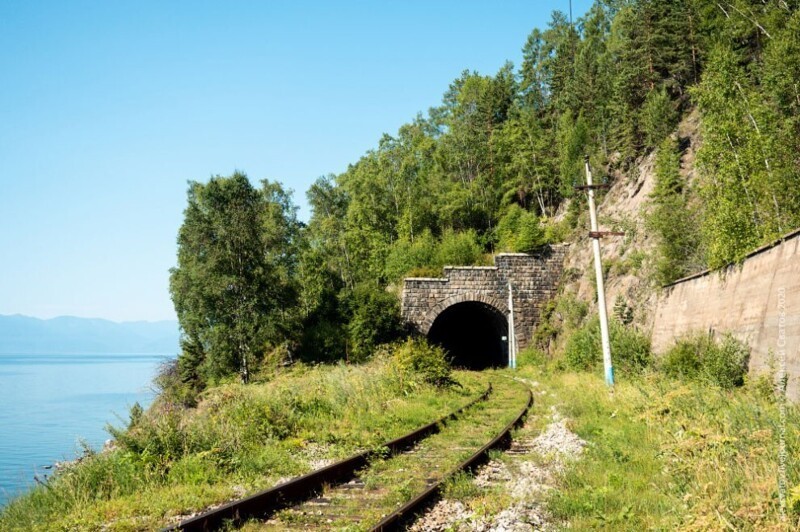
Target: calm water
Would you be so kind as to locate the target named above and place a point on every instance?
(49, 402)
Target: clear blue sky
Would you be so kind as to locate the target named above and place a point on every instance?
(107, 109)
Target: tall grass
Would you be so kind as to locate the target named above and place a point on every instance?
(668, 454)
(175, 460)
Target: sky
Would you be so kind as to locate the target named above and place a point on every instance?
(108, 109)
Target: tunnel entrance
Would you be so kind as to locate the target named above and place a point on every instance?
(473, 333)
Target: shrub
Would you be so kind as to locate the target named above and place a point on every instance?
(405, 255)
(416, 359)
(459, 249)
(699, 357)
(374, 319)
(583, 350)
(682, 360)
(424, 271)
(622, 311)
(531, 234)
(630, 349)
(531, 356)
(520, 230)
(171, 388)
(425, 256)
(726, 365)
(556, 232)
(560, 315)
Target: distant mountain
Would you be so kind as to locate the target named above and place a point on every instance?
(68, 334)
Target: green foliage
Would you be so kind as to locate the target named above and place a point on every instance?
(674, 221)
(233, 283)
(630, 349)
(425, 256)
(495, 161)
(700, 357)
(794, 500)
(177, 461)
(750, 131)
(659, 117)
(622, 311)
(492, 164)
(459, 249)
(667, 454)
(418, 361)
(558, 317)
(520, 231)
(136, 414)
(460, 486)
(532, 356)
(571, 139)
(374, 318)
(531, 235)
(406, 256)
(726, 364)
(684, 359)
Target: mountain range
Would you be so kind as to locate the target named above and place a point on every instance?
(69, 334)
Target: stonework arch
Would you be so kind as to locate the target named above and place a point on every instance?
(533, 278)
(478, 297)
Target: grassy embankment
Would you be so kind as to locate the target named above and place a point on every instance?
(666, 454)
(668, 450)
(174, 461)
(681, 443)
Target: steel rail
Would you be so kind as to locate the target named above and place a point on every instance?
(264, 503)
(404, 515)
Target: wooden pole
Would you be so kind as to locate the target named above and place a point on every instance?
(598, 272)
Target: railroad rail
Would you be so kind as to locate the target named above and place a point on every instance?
(265, 503)
(407, 513)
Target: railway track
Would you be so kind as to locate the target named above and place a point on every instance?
(385, 489)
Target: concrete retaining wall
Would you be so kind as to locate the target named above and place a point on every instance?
(750, 301)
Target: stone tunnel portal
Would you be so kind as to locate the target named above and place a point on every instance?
(474, 334)
(467, 309)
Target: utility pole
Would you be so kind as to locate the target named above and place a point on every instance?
(596, 235)
(512, 336)
(570, 13)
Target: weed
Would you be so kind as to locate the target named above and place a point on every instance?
(460, 486)
(631, 348)
(699, 357)
(418, 361)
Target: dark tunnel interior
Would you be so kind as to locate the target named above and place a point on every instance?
(473, 333)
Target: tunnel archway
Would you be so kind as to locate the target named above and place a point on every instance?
(473, 333)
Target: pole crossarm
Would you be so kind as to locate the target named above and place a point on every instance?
(601, 234)
(592, 187)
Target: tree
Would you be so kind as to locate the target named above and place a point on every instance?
(571, 141)
(233, 283)
(519, 230)
(750, 180)
(373, 318)
(658, 118)
(674, 221)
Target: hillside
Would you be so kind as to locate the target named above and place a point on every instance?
(685, 108)
(67, 334)
(629, 261)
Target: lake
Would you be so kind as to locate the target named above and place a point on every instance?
(49, 402)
